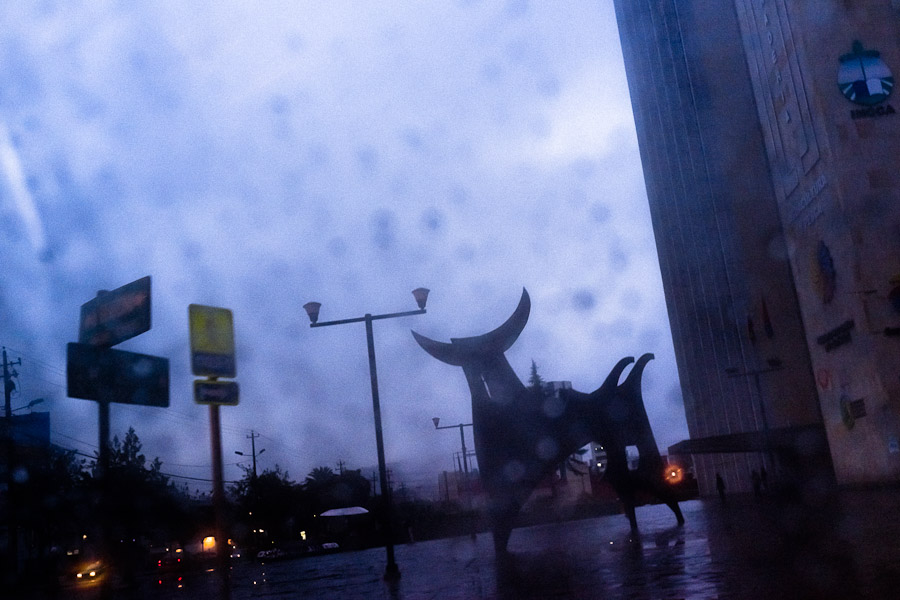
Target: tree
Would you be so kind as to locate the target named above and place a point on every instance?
(269, 506)
(327, 490)
(535, 381)
(139, 500)
(50, 497)
(320, 476)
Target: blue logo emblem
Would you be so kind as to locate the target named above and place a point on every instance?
(863, 77)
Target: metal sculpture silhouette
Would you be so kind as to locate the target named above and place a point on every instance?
(520, 438)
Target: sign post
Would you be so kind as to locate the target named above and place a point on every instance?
(94, 371)
(116, 316)
(212, 356)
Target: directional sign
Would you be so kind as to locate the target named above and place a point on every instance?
(111, 375)
(116, 316)
(216, 392)
(212, 341)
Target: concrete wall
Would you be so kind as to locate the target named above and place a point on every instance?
(724, 261)
(836, 180)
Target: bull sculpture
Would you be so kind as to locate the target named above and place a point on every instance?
(521, 437)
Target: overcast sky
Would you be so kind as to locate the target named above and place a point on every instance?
(259, 155)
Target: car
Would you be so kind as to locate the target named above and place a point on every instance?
(90, 571)
(171, 561)
(271, 554)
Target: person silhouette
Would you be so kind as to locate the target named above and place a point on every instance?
(720, 487)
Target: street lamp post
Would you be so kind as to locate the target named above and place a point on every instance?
(774, 365)
(462, 439)
(30, 405)
(312, 309)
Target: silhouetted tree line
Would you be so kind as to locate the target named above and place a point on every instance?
(271, 507)
(64, 505)
(61, 509)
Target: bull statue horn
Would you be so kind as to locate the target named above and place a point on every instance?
(499, 340)
(632, 383)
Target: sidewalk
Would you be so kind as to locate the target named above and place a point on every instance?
(745, 549)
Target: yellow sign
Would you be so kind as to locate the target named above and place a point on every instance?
(212, 341)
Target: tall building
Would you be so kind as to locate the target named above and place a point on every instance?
(769, 143)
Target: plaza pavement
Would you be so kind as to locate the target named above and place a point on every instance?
(744, 549)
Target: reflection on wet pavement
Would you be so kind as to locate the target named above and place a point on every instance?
(747, 549)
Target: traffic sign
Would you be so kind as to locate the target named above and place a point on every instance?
(216, 392)
(116, 316)
(109, 375)
(212, 341)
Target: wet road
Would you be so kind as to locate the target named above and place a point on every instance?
(745, 549)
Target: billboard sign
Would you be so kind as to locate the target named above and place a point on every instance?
(212, 341)
(216, 392)
(109, 375)
(113, 317)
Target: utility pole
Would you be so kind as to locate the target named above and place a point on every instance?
(341, 467)
(12, 520)
(252, 437)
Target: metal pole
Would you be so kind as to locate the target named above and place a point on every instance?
(103, 477)
(219, 503)
(103, 439)
(253, 450)
(12, 520)
(392, 570)
(462, 438)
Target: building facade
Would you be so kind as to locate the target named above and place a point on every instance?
(768, 134)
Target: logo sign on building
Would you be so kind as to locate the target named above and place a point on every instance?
(864, 78)
(851, 410)
(837, 337)
(212, 341)
(104, 374)
(216, 392)
(113, 317)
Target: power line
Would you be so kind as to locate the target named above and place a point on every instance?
(79, 453)
(47, 366)
(74, 439)
(169, 413)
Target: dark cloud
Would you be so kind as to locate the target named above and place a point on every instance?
(583, 300)
(256, 160)
(516, 9)
(383, 229)
(433, 219)
(367, 157)
(600, 212)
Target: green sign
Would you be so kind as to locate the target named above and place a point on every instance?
(109, 375)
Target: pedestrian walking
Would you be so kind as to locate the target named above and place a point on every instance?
(720, 487)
